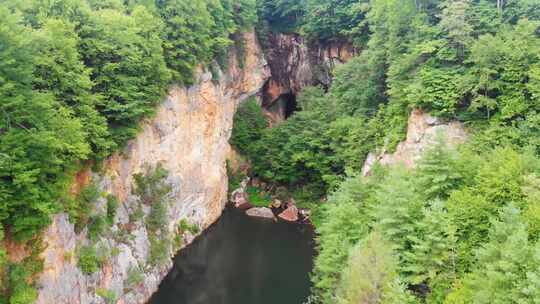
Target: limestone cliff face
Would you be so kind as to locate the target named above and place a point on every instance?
(295, 63)
(189, 137)
(422, 132)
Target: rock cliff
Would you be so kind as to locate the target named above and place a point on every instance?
(422, 132)
(189, 137)
(296, 63)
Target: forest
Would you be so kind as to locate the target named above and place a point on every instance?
(77, 77)
(463, 226)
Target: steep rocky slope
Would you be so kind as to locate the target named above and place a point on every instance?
(189, 137)
(296, 63)
(423, 131)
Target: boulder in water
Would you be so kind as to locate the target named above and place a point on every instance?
(290, 214)
(240, 199)
(261, 212)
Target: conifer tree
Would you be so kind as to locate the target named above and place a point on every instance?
(432, 257)
(398, 209)
(370, 275)
(437, 173)
(338, 234)
(508, 266)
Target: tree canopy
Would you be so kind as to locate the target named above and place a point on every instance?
(77, 77)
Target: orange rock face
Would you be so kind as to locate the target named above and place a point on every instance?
(188, 136)
(423, 131)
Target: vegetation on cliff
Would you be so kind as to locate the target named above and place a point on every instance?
(463, 226)
(77, 77)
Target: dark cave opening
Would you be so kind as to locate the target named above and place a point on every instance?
(279, 103)
(290, 105)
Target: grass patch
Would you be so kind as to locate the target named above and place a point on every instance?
(257, 198)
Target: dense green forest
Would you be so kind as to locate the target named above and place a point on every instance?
(77, 76)
(464, 226)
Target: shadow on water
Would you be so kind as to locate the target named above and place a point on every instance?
(242, 260)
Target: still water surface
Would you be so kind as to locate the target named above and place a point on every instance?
(242, 260)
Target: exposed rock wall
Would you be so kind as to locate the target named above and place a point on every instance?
(295, 63)
(422, 132)
(189, 137)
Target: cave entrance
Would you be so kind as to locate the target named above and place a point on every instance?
(290, 106)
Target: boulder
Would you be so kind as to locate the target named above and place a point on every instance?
(304, 212)
(261, 212)
(276, 204)
(290, 214)
(240, 199)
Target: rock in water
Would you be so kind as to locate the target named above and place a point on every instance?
(261, 212)
(240, 199)
(290, 214)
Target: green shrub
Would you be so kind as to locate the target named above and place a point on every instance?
(112, 206)
(134, 278)
(160, 248)
(150, 186)
(234, 178)
(178, 241)
(157, 219)
(89, 261)
(97, 225)
(137, 215)
(185, 226)
(20, 287)
(3, 260)
(152, 190)
(115, 251)
(109, 296)
(80, 210)
(23, 294)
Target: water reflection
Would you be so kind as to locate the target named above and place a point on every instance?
(242, 260)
